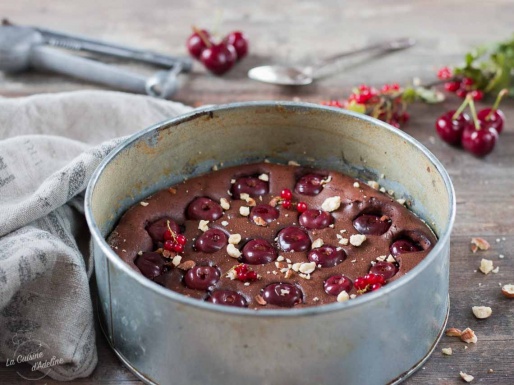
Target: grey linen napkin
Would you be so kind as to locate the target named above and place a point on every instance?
(50, 145)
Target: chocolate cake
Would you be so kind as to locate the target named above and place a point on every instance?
(269, 236)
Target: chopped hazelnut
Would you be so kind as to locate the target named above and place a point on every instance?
(331, 204)
(356, 184)
(343, 296)
(224, 223)
(203, 225)
(293, 163)
(343, 241)
(234, 239)
(373, 184)
(447, 351)
(357, 239)
(468, 336)
(261, 301)
(486, 266)
(176, 260)
(317, 243)
(264, 177)
(244, 211)
(307, 267)
(508, 290)
(466, 377)
(482, 312)
(233, 251)
(453, 332)
(479, 244)
(187, 265)
(144, 204)
(260, 222)
(225, 205)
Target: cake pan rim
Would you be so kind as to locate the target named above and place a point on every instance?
(314, 310)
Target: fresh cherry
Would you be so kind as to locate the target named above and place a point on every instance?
(372, 224)
(250, 185)
(264, 211)
(227, 298)
(259, 251)
(159, 231)
(196, 43)
(218, 58)
(211, 241)
(239, 41)
(316, 219)
(293, 239)
(450, 126)
(150, 264)
(336, 284)
(479, 142)
(282, 294)
(204, 208)
(309, 184)
(385, 269)
(402, 246)
(202, 277)
(327, 256)
(491, 119)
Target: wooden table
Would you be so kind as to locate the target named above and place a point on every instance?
(301, 31)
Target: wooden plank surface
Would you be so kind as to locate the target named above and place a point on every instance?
(300, 31)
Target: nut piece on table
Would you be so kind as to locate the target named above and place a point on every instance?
(508, 290)
(447, 351)
(468, 336)
(479, 244)
(466, 377)
(453, 332)
(486, 266)
(482, 312)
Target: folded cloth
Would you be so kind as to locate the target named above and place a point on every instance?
(50, 145)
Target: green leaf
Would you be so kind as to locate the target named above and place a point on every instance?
(429, 95)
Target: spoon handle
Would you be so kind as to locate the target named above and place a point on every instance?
(387, 46)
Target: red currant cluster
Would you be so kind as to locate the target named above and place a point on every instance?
(173, 241)
(477, 135)
(217, 57)
(244, 274)
(460, 86)
(386, 104)
(369, 282)
(286, 200)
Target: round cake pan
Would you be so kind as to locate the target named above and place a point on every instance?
(166, 338)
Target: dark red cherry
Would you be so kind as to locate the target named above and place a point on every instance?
(449, 129)
(259, 251)
(479, 142)
(327, 256)
(316, 219)
(266, 212)
(218, 58)
(293, 239)
(402, 246)
(157, 229)
(489, 119)
(150, 264)
(385, 269)
(196, 45)
(202, 277)
(336, 284)
(309, 184)
(240, 43)
(227, 298)
(250, 185)
(204, 208)
(211, 241)
(282, 294)
(372, 224)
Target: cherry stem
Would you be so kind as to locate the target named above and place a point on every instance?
(499, 98)
(473, 112)
(202, 36)
(461, 108)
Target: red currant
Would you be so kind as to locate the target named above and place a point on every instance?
(181, 239)
(286, 194)
(286, 204)
(467, 82)
(301, 207)
(178, 248)
(360, 283)
(375, 286)
(477, 95)
(444, 73)
(169, 245)
(452, 86)
(332, 103)
(461, 93)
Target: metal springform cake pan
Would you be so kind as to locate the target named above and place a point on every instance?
(166, 338)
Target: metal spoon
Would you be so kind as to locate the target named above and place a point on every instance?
(303, 75)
